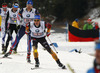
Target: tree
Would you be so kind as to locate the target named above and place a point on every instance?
(62, 9)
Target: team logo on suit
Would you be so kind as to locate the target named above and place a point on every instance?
(37, 30)
(14, 15)
(28, 15)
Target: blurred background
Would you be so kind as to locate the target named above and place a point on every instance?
(60, 13)
(61, 10)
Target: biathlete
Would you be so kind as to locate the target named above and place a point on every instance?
(11, 24)
(37, 30)
(3, 14)
(25, 16)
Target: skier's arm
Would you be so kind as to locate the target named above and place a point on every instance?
(48, 26)
(19, 17)
(27, 30)
(6, 21)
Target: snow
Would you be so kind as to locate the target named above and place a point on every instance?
(79, 62)
(97, 20)
(94, 13)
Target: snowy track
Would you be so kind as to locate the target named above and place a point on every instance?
(79, 62)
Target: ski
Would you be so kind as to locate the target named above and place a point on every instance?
(5, 58)
(30, 63)
(70, 68)
(18, 54)
(35, 68)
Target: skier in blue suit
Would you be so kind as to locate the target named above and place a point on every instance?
(96, 68)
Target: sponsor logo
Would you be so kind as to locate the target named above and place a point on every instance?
(37, 30)
(28, 15)
(14, 15)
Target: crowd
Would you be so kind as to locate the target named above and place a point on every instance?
(88, 24)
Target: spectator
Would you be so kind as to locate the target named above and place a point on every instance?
(96, 25)
(75, 23)
(88, 25)
(96, 68)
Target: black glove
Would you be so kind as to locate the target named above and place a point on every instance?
(18, 27)
(7, 31)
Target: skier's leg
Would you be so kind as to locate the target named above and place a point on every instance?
(45, 44)
(35, 52)
(3, 37)
(28, 47)
(19, 35)
(15, 49)
(3, 34)
(8, 39)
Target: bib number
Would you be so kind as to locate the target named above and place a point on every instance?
(3, 18)
(14, 20)
(27, 20)
(37, 34)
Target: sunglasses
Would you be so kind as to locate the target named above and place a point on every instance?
(29, 5)
(36, 20)
(4, 7)
(15, 6)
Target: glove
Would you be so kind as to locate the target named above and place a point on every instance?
(7, 31)
(27, 31)
(48, 34)
(18, 26)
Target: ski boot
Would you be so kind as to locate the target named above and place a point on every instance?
(60, 64)
(14, 52)
(15, 49)
(2, 47)
(6, 55)
(9, 53)
(4, 51)
(28, 58)
(37, 62)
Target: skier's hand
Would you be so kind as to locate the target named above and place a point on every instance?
(7, 31)
(18, 26)
(27, 31)
(48, 34)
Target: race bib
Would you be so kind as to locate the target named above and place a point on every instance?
(27, 20)
(37, 34)
(14, 19)
(3, 18)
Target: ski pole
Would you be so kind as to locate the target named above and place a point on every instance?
(53, 45)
